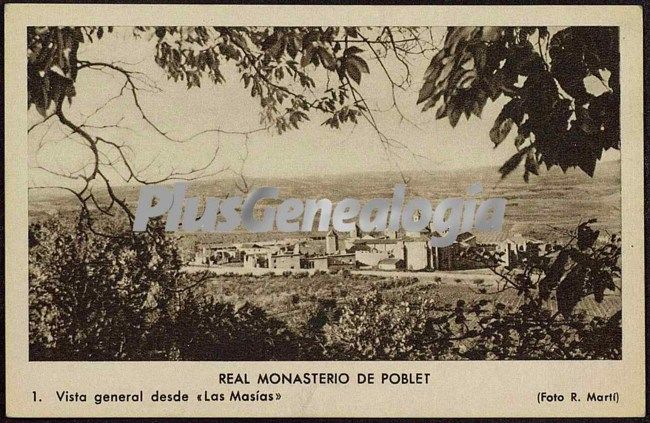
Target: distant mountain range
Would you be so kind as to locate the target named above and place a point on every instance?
(551, 199)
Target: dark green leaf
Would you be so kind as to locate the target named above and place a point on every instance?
(454, 116)
(500, 130)
(359, 63)
(531, 162)
(570, 291)
(306, 56)
(352, 50)
(353, 71)
(513, 162)
(328, 60)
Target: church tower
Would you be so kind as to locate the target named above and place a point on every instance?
(331, 242)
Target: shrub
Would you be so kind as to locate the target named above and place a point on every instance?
(124, 298)
(371, 328)
(94, 297)
(205, 329)
(533, 332)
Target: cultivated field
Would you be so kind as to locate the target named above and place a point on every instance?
(552, 199)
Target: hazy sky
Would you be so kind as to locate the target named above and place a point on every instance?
(312, 149)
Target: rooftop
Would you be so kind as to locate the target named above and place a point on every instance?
(390, 261)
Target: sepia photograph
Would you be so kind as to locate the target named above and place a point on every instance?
(324, 193)
(316, 211)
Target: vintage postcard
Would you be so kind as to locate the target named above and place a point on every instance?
(324, 211)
